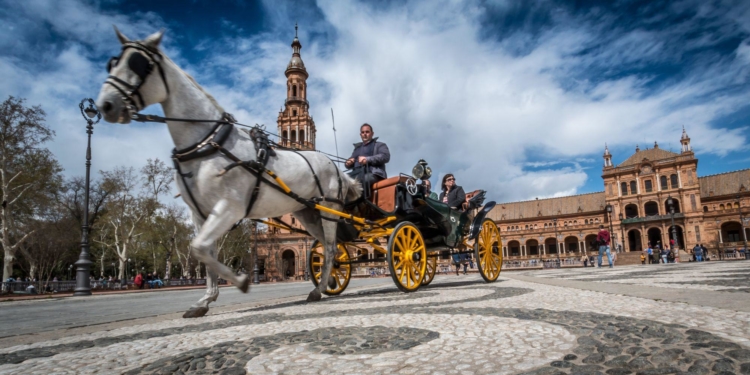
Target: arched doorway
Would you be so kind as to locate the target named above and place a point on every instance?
(676, 204)
(654, 237)
(680, 237)
(589, 242)
(571, 244)
(631, 211)
(288, 266)
(634, 240)
(731, 232)
(532, 247)
(514, 248)
(550, 245)
(651, 208)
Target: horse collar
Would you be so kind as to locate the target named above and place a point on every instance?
(209, 145)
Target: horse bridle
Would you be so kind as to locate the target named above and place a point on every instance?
(142, 66)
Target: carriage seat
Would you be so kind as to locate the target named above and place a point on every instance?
(384, 193)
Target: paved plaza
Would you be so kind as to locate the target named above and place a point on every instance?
(540, 322)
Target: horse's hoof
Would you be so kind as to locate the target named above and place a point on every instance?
(195, 312)
(314, 296)
(245, 284)
(331, 282)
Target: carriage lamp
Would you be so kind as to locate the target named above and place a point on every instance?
(421, 171)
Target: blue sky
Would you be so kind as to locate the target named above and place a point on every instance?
(517, 98)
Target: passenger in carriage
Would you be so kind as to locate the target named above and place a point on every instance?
(428, 193)
(368, 159)
(452, 195)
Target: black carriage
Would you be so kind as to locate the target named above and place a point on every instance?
(410, 231)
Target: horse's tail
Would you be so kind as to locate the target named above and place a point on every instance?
(351, 187)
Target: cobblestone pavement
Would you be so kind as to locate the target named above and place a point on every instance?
(457, 325)
(731, 276)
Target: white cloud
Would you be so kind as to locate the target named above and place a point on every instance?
(424, 74)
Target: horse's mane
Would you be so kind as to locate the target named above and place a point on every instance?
(199, 87)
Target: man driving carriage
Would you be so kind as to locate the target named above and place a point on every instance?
(368, 159)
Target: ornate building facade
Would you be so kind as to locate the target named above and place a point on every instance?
(635, 207)
(282, 255)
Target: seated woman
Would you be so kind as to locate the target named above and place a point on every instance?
(452, 195)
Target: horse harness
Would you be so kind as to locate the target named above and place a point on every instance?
(214, 142)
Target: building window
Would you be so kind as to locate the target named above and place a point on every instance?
(663, 180)
(693, 203)
(611, 188)
(647, 184)
(673, 180)
(294, 112)
(624, 188)
(690, 176)
(294, 90)
(697, 233)
(293, 220)
(721, 207)
(705, 208)
(633, 187)
(301, 135)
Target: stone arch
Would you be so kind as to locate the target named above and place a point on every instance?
(571, 244)
(550, 244)
(288, 264)
(634, 240)
(651, 208)
(654, 237)
(731, 231)
(514, 248)
(676, 205)
(532, 247)
(680, 234)
(588, 241)
(631, 211)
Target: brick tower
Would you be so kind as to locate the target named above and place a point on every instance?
(295, 124)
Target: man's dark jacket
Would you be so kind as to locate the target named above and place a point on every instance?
(376, 158)
(456, 197)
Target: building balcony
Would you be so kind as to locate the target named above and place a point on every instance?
(652, 218)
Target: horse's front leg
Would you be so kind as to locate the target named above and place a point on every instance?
(200, 308)
(220, 220)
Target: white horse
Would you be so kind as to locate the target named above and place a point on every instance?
(143, 75)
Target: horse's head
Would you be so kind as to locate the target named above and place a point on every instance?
(136, 79)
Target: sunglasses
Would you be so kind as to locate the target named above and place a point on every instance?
(451, 179)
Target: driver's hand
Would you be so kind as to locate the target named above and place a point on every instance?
(349, 162)
(362, 160)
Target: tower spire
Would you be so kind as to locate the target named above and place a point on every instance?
(296, 126)
(607, 157)
(685, 141)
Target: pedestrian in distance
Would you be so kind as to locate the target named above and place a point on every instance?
(602, 238)
(584, 260)
(698, 253)
(643, 258)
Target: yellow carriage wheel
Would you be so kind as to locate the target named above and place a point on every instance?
(407, 257)
(431, 270)
(488, 252)
(341, 271)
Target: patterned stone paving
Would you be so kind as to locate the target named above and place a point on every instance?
(733, 276)
(458, 325)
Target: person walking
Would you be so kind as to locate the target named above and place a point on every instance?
(698, 253)
(584, 260)
(663, 254)
(138, 281)
(602, 238)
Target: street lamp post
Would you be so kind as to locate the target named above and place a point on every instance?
(622, 232)
(307, 272)
(742, 222)
(83, 284)
(670, 202)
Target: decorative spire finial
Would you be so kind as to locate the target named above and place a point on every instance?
(295, 29)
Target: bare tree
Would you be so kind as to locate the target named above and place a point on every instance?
(126, 209)
(26, 170)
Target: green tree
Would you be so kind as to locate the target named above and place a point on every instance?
(29, 174)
